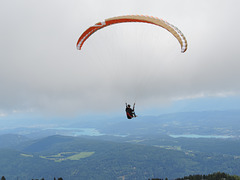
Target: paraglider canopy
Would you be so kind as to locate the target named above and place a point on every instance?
(134, 18)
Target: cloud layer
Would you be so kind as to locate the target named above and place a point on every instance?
(41, 69)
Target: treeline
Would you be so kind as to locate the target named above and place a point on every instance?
(214, 176)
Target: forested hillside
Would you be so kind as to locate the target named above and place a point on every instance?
(74, 158)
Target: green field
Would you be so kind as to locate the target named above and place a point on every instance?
(63, 156)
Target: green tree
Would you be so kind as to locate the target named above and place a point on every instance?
(3, 178)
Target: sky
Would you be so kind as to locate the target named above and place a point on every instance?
(42, 71)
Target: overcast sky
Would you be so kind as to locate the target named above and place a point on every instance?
(41, 70)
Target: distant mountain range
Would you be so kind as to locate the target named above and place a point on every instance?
(220, 103)
(32, 119)
(199, 123)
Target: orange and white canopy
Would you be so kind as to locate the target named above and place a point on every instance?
(134, 18)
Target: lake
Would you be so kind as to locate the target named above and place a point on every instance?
(200, 136)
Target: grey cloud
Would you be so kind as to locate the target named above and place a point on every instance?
(40, 67)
